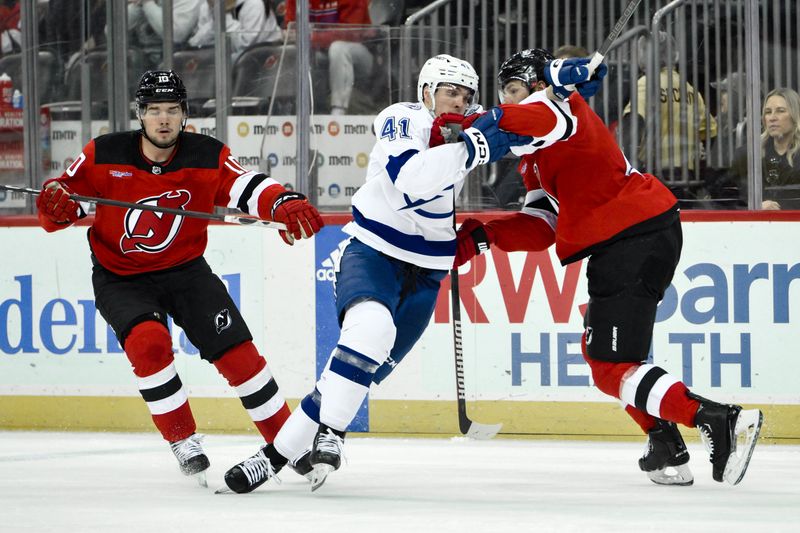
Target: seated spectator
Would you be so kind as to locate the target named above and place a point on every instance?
(348, 57)
(10, 34)
(246, 22)
(684, 142)
(731, 120)
(146, 27)
(63, 28)
(780, 153)
(570, 50)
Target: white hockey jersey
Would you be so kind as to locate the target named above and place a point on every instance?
(405, 207)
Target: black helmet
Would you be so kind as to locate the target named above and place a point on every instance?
(160, 86)
(526, 66)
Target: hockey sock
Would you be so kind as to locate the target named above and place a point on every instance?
(650, 388)
(247, 372)
(645, 421)
(297, 434)
(149, 349)
(677, 406)
(367, 337)
(343, 385)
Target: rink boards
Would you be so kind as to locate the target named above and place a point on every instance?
(729, 326)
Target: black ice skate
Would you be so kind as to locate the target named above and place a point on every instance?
(666, 459)
(730, 434)
(326, 455)
(191, 458)
(302, 465)
(254, 471)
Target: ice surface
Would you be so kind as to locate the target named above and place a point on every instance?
(119, 483)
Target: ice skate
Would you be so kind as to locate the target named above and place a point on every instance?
(666, 459)
(326, 455)
(302, 465)
(253, 472)
(730, 434)
(191, 457)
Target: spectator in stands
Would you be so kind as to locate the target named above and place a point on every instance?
(10, 34)
(780, 153)
(63, 28)
(681, 139)
(730, 119)
(246, 22)
(570, 50)
(348, 57)
(146, 27)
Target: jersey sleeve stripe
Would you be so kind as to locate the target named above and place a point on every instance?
(538, 204)
(245, 189)
(395, 163)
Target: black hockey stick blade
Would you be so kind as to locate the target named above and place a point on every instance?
(229, 219)
(598, 56)
(468, 427)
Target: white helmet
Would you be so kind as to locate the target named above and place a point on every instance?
(446, 69)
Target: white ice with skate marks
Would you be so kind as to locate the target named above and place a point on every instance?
(129, 483)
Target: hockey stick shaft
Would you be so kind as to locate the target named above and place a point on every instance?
(467, 427)
(230, 219)
(458, 351)
(598, 56)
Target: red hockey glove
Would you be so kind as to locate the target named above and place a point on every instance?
(447, 126)
(55, 205)
(473, 238)
(301, 218)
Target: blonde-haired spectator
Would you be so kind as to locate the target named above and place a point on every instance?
(780, 153)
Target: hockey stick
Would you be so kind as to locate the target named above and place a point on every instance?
(229, 219)
(467, 427)
(598, 56)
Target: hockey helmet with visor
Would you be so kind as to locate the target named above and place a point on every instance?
(446, 69)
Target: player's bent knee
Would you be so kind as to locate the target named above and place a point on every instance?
(368, 328)
(620, 328)
(148, 347)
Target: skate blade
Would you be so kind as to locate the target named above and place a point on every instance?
(201, 479)
(680, 475)
(319, 474)
(224, 490)
(748, 427)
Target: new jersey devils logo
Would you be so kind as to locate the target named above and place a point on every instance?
(222, 321)
(151, 232)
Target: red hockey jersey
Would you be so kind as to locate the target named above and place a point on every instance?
(597, 195)
(200, 174)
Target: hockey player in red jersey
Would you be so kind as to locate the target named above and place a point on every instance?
(584, 196)
(148, 265)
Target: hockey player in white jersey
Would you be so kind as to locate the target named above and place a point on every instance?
(402, 245)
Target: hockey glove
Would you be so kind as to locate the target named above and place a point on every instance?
(486, 142)
(564, 74)
(472, 238)
(55, 205)
(587, 89)
(447, 126)
(301, 218)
